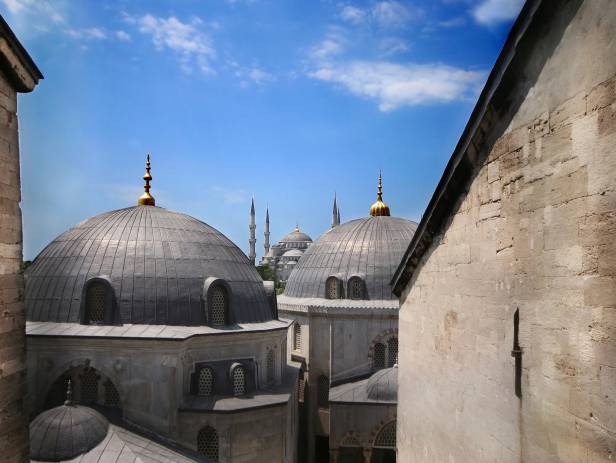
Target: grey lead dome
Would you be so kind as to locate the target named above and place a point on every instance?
(65, 432)
(156, 260)
(371, 247)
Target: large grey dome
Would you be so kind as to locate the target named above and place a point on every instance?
(371, 248)
(64, 432)
(383, 385)
(295, 236)
(155, 260)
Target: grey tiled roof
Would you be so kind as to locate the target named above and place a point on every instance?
(371, 247)
(381, 387)
(157, 261)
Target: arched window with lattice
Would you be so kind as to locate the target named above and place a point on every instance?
(323, 391)
(205, 383)
(392, 351)
(378, 359)
(112, 396)
(89, 386)
(386, 437)
(332, 288)
(270, 367)
(96, 302)
(297, 336)
(238, 379)
(218, 305)
(356, 288)
(207, 443)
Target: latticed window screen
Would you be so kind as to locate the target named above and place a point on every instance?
(297, 336)
(392, 352)
(332, 288)
(301, 388)
(218, 306)
(357, 288)
(379, 356)
(89, 386)
(239, 381)
(207, 443)
(386, 438)
(270, 367)
(323, 391)
(95, 302)
(206, 381)
(112, 397)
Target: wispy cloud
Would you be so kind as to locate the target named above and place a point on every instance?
(388, 14)
(187, 39)
(34, 7)
(333, 44)
(230, 196)
(490, 12)
(353, 14)
(123, 35)
(251, 75)
(396, 85)
(95, 33)
(393, 46)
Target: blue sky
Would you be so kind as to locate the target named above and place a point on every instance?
(286, 100)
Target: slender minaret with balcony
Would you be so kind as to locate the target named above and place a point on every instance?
(266, 233)
(252, 227)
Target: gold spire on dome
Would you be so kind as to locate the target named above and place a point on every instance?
(379, 207)
(146, 199)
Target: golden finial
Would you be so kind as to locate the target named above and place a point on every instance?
(379, 207)
(146, 199)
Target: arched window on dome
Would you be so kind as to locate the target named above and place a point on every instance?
(270, 366)
(238, 380)
(333, 288)
(218, 302)
(205, 383)
(98, 302)
(207, 443)
(323, 391)
(356, 288)
(378, 359)
(297, 336)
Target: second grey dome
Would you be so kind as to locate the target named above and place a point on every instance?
(370, 248)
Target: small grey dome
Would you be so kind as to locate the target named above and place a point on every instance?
(155, 260)
(64, 432)
(295, 236)
(383, 385)
(371, 247)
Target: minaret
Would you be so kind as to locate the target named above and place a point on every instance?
(379, 208)
(335, 214)
(266, 233)
(252, 241)
(146, 199)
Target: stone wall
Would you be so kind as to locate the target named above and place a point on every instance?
(13, 422)
(535, 232)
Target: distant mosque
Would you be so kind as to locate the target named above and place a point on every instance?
(283, 256)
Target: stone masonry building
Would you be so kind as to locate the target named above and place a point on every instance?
(508, 288)
(18, 74)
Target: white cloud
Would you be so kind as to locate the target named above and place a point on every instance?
(333, 44)
(353, 14)
(396, 85)
(123, 35)
(392, 15)
(95, 33)
(41, 7)
(253, 74)
(186, 39)
(489, 12)
(393, 46)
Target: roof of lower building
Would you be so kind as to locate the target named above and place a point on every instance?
(155, 260)
(381, 387)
